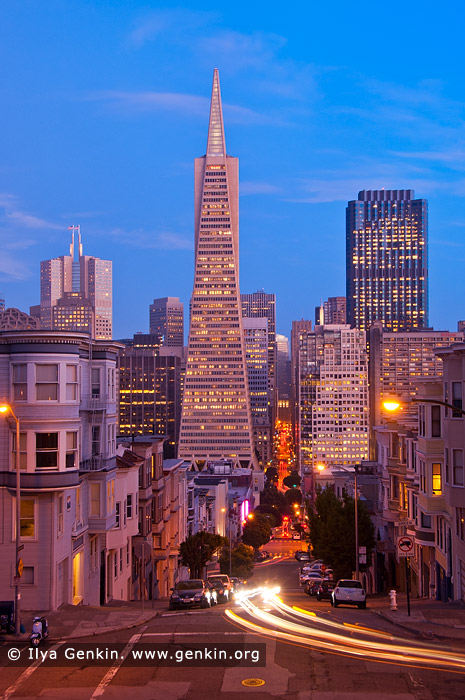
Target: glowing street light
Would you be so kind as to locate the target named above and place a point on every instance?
(6, 408)
(393, 404)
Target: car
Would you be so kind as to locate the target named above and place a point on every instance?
(325, 590)
(191, 592)
(296, 535)
(226, 589)
(350, 592)
(312, 585)
(301, 555)
(308, 575)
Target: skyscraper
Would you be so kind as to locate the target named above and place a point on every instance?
(76, 292)
(256, 352)
(167, 319)
(387, 260)
(259, 304)
(332, 397)
(334, 312)
(216, 421)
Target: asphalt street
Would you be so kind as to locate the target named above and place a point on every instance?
(305, 668)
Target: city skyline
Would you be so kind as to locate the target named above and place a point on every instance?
(312, 122)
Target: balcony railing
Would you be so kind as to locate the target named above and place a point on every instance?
(97, 402)
(92, 464)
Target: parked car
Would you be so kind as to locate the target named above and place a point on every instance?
(312, 585)
(350, 592)
(309, 575)
(325, 590)
(192, 592)
(226, 589)
(301, 555)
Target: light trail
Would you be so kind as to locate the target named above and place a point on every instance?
(314, 635)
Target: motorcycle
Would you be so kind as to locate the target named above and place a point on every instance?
(39, 631)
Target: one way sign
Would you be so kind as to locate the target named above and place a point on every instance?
(405, 545)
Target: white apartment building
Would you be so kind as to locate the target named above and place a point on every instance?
(78, 511)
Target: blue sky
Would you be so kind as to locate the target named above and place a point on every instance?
(105, 106)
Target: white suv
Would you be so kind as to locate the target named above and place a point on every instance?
(350, 592)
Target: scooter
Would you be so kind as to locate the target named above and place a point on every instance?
(39, 631)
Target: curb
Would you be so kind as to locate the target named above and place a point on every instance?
(423, 635)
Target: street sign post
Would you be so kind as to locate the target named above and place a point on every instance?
(405, 545)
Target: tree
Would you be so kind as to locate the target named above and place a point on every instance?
(242, 562)
(256, 531)
(293, 496)
(271, 475)
(292, 481)
(198, 549)
(270, 510)
(271, 496)
(332, 531)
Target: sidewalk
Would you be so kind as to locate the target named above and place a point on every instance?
(429, 619)
(81, 621)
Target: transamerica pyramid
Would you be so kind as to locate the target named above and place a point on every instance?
(216, 421)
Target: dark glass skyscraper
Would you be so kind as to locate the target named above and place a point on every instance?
(387, 260)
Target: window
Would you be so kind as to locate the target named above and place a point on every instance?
(446, 465)
(437, 479)
(125, 512)
(129, 505)
(110, 496)
(118, 514)
(435, 421)
(95, 374)
(47, 382)
(460, 523)
(71, 450)
(22, 451)
(71, 383)
(95, 440)
(47, 450)
(127, 554)
(27, 526)
(115, 562)
(425, 521)
(457, 467)
(121, 559)
(20, 382)
(457, 399)
(94, 551)
(60, 515)
(27, 576)
(95, 500)
(78, 506)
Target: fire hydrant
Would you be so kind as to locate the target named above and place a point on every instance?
(393, 596)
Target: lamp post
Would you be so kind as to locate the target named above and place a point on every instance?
(394, 404)
(7, 409)
(321, 467)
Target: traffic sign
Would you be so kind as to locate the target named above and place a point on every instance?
(20, 567)
(405, 544)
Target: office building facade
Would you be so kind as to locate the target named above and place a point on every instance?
(216, 420)
(76, 292)
(256, 353)
(387, 260)
(167, 320)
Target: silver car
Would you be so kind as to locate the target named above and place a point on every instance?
(349, 592)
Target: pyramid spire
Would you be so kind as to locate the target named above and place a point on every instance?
(216, 146)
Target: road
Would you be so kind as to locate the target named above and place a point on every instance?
(323, 659)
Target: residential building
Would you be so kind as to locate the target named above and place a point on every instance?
(387, 260)
(332, 398)
(167, 320)
(81, 287)
(398, 361)
(216, 420)
(62, 387)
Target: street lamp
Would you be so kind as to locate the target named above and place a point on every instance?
(321, 467)
(393, 404)
(6, 408)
